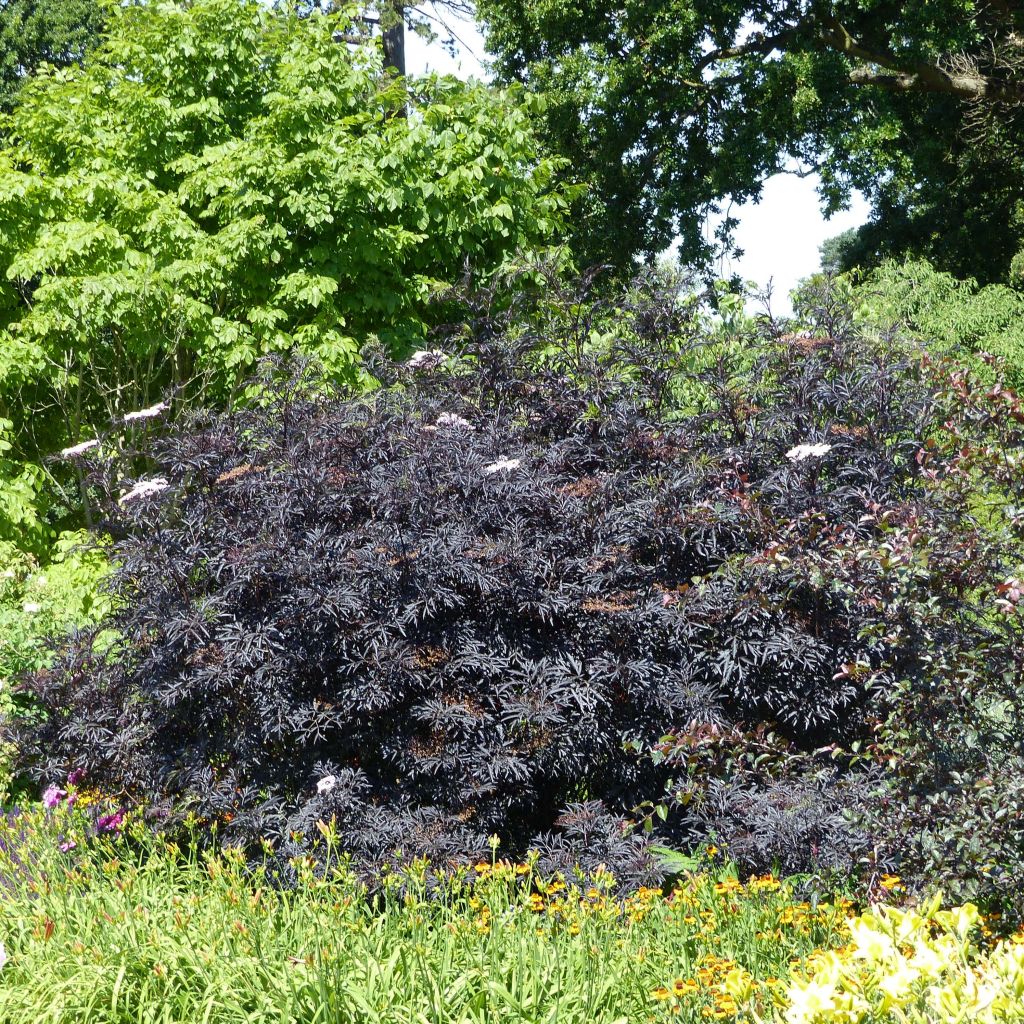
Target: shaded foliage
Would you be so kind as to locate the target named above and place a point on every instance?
(674, 108)
(34, 32)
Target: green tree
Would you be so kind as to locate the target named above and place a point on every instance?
(57, 32)
(222, 181)
(671, 106)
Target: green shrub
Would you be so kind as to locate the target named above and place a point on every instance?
(223, 180)
(954, 316)
(38, 598)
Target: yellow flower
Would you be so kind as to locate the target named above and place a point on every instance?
(661, 993)
(960, 920)
(809, 1000)
(870, 943)
(898, 986)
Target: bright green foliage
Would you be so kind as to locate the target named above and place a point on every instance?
(223, 181)
(58, 32)
(20, 486)
(40, 597)
(670, 107)
(955, 316)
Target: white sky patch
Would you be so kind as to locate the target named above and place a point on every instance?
(780, 235)
(423, 58)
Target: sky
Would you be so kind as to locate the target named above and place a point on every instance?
(779, 235)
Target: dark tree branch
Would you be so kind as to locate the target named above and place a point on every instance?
(757, 43)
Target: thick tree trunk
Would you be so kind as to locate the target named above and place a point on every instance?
(394, 41)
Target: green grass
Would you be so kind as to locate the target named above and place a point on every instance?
(141, 932)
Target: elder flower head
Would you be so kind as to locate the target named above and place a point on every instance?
(79, 449)
(451, 419)
(425, 360)
(146, 414)
(503, 465)
(808, 451)
(145, 488)
(326, 784)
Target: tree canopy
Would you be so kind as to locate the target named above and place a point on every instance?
(671, 107)
(222, 181)
(58, 32)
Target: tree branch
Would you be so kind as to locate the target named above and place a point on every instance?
(899, 75)
(935, 80)
(757, 43)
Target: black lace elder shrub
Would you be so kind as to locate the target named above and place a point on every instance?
(441, 610)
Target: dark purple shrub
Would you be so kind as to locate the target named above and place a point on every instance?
(459, 604)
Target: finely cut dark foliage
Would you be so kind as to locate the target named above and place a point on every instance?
(442, 610)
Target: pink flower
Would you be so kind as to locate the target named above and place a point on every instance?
(110, 822)
(68, 846)
(53, 796)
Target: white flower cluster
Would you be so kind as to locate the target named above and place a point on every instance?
(426, 360)
(146, 414)
(326, 784)
(808, 451)
(79, 449)
(145, 488)
(453, 420)
(504, 465)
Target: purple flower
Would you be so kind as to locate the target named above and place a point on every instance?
(68, 846)
(53, 796)
(110, 822)
(76, 776)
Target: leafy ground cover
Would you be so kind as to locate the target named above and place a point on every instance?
(130, 929)
(122, 927)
